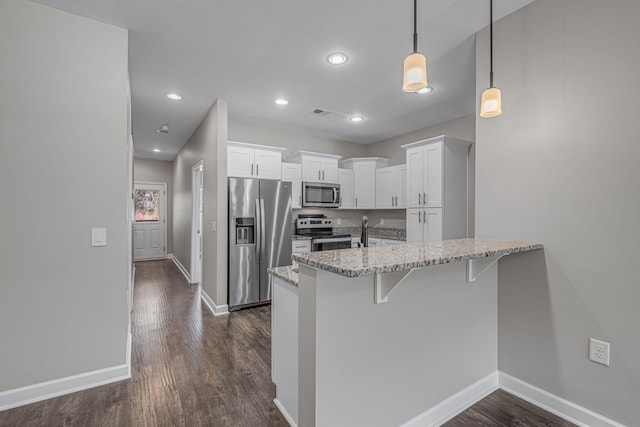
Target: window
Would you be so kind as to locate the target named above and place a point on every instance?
(147, 205)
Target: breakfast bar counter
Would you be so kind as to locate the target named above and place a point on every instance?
(388, 336)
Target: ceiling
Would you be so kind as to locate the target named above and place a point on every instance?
(250, 52)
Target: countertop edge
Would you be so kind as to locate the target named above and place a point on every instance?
(409, 265)
(285, 274)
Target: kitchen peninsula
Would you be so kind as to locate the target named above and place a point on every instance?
(396, 335)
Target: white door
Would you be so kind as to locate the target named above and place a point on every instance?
(292, 172)
(311, 169)
(432, 219)
(268, 164)
(433, 184)
(401, 186)
(240, 162)
(385, 191)
(415, 230)
(197, 206)
(330, 171)
(345, 179)
(415, 177)
(364, 178)
(149, 226)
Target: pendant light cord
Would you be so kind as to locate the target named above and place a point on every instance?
(491, 41)
(415, 26)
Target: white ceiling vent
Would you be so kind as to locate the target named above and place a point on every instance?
(321, 112)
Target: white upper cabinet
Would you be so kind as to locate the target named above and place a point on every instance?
(318, 167)
(292, 173)
(436, 194)
(364, 179)
(391, 184)
(347, 195)
(254, 161)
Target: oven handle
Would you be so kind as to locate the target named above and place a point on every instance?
(332, 240)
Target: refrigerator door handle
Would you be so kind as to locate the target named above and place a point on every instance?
(258, 229)
(262, 228)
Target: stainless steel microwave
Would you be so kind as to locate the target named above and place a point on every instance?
(320, 195)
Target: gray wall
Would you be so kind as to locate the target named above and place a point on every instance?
(560, 166)
(63, 170)
(158, 171)
(208, 143)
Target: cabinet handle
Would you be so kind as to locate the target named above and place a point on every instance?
(396, 200)
(323, 175)
(356, 202)
(251, 169)
(319, 175)
(424, 198)
(419, 198)
(419, 217)
(257, 166)
(425, 217)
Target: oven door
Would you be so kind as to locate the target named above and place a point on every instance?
(318, 194)
(330, 243)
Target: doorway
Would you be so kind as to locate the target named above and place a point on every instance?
(197, 185)
(150, 224)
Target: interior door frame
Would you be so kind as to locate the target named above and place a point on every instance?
(196, 263)
(164, 209)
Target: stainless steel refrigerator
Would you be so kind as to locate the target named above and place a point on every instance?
(259, 237)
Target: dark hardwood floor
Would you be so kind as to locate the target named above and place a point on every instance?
(190, 368)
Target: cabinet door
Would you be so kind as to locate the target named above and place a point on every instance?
(401, 186)
(364, 178)
(240, 162)
(385, 188)
(433, 224)
(415, 176)
(292, 173)
(311, 169)
(268, 164)
(298, 246)
(415, 230)
(433, 181)
(330, 171)
(345, 179)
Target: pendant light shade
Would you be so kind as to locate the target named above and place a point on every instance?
(415, 72)
(415, 65)
(491, 102)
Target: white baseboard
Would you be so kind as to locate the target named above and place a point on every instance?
(46, 390)
(554, 404)
(217, 310)
(284, 413)
(455, 404)
(183, 270)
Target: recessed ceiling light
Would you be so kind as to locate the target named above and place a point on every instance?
(356, 119)
(156, 150)
(281, 101)
(163, 129)
(174, 96)
(424, 90)
(337, 58)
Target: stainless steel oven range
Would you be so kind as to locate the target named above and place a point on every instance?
(320, 229)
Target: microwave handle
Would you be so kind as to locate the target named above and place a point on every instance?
(335, 195)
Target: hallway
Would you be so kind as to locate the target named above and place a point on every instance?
(189, 368)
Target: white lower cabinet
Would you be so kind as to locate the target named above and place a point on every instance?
(424, 225)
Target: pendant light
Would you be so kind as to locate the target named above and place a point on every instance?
(415, 65)
(491, 103)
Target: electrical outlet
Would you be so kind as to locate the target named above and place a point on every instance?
(381, 221)
(214, 226)
(338, 221)
(599, 351)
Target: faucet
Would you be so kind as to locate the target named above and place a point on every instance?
(364, 232)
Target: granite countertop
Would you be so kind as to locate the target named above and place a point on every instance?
(368, 261)
(288, 273)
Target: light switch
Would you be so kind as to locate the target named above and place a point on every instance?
(214, 226)
(98, 237)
